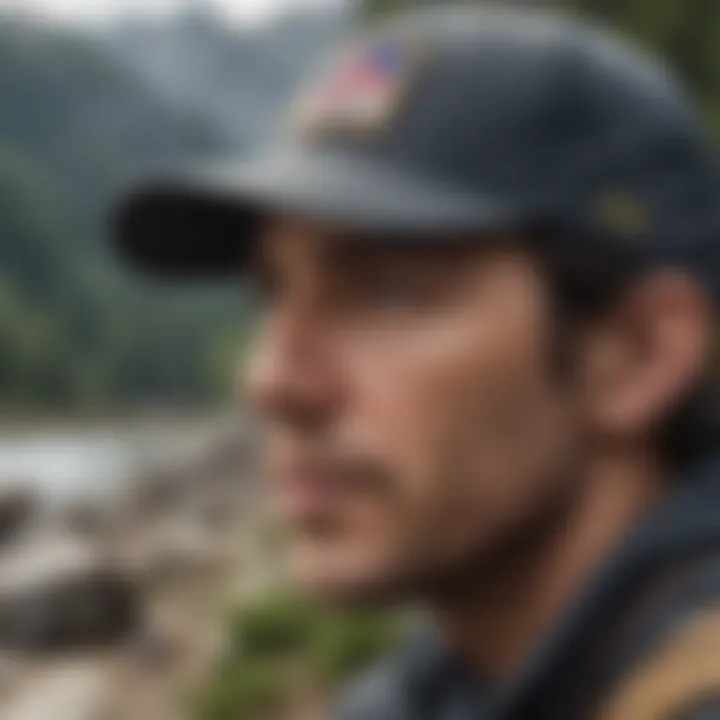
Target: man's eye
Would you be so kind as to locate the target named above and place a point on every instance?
(392, 293)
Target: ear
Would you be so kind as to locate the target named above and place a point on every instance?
(646, 355)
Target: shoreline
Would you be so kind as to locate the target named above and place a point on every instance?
(163, 419)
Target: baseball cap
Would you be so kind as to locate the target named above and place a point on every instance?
(446, 121)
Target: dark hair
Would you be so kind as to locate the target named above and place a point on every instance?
(693, 429)
(586, 285)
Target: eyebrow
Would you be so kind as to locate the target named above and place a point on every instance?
(345, 248)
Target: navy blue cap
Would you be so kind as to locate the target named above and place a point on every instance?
(451, 121)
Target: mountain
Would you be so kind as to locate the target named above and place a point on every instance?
(76, 330)
(83, 112)
(238, 78)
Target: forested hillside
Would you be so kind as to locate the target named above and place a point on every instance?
(75, 331)
(82, 113)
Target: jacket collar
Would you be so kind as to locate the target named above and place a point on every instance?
(686, 522)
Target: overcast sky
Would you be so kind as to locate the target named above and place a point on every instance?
(243, 11)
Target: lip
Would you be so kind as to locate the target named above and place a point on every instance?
(307, 487)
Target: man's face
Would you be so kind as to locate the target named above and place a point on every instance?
(415, 425)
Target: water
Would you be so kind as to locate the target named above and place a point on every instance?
(69, 462)
(68, 465)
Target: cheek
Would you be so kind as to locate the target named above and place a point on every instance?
(465, 396)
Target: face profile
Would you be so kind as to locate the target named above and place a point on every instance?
(401, 388)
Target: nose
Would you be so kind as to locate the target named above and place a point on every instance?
(291, 378)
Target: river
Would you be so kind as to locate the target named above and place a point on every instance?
(64, 462)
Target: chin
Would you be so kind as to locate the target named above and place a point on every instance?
(339, 579)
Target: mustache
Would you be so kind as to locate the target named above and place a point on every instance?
(350, 468)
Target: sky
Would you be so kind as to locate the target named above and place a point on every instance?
(242, 11)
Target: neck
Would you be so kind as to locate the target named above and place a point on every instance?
(497, 621)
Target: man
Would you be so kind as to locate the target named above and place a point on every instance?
(488, 243)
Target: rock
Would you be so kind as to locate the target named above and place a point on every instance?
(18, 507)
(60, 596)
(97, 609)
(75, 691)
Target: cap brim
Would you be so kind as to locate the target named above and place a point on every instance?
(205, 224)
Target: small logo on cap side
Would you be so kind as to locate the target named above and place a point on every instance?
(362, 91)
(622, 214)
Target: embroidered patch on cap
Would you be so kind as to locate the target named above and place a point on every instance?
(623, 214)
(361, 93)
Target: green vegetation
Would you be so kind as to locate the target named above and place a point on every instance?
(283, 652)
(276, 627)
(246, 690)
(77, 332)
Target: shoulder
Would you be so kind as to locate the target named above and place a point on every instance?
(671, 669)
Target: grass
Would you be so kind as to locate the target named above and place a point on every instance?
(282, 648)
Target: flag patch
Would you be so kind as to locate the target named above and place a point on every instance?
(361, 91)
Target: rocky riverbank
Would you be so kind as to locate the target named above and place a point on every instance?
(111, 604)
